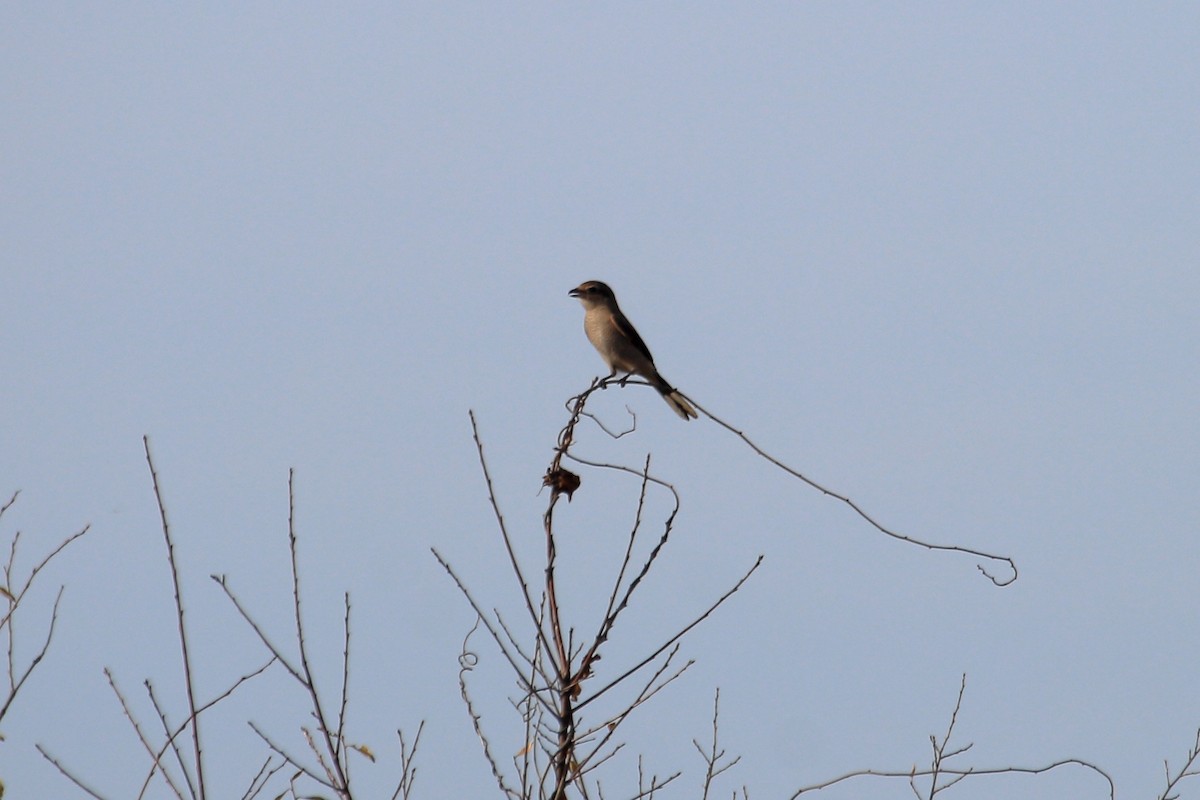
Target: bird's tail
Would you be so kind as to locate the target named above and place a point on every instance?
(678, 403)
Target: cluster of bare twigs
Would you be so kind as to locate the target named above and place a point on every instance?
(554, 670)
(327, 740)
(182, 768)
(568, 733)
(14, 591)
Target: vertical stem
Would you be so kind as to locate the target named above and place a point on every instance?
(193, 718)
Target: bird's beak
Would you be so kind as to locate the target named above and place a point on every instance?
(573, 293)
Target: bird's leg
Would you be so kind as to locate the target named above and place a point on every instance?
(604, 381)
(624, 380)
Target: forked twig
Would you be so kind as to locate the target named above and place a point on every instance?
(938, 767)
(408, 765)
(1186, 771)
(712, 756)
(973, 771)
(335, 751)
(15, 594)
(137, 729)
(173, 735)
(682, 632)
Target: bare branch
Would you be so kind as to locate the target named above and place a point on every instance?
(15, 597)
(173, 735)
(1186, 771)
(467, 661)
(712, 757)
(189, 683)
(909, 773)
(408, 767)
(8, 504)
(858, 509)
(480, 615)
(63, 770)
(938, 768)
(222, 581)
(262, 777)
(137, 728)
(676, 637)
(292, 760)
(170, 743)
(512, 555)
(341, 716)
(550, 759)
(338, 776)
(14, 591)
(652, 687)
(37, 659)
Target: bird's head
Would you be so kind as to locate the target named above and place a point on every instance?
(593, 293)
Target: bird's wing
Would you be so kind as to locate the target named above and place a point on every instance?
(628, 331)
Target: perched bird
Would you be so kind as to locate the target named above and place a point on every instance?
(619, 344)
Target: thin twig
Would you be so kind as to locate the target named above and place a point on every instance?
(262, 777)
(67, 773)
(290, 759)
(170, 742)
(16, 597)
(512, 555)
(223, 582)
(467, 661)
(183, 642)
(137, 728)
(340, 783)
(173, 735)
(858, 509)
(757, 563)
(652, 687)
(1185, 771)
(408, 767)
(712, 757)
(938, 766)
(480, 615)
(908, 773)
(37, 659)
(341, 717)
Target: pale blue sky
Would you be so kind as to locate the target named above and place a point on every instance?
(942, 257)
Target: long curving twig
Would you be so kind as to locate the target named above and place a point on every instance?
(858, 509)
(1007, 560)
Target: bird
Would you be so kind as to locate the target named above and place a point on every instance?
(618, 343)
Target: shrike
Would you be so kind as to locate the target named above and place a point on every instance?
(619, 344)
